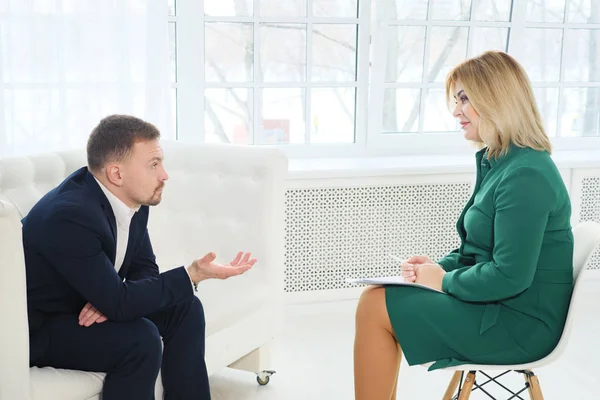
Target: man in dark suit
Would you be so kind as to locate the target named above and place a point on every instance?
(96, 299)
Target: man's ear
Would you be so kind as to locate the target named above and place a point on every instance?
(113, 173)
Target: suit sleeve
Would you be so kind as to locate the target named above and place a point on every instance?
(450, 262)
(73, 247)
(523, 202)
(144, 264)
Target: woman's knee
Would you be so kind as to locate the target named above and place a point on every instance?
(371, 302)
(372, 308)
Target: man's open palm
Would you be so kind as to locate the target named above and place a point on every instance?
(208, 269)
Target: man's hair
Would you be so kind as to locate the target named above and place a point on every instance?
(113, 138)
(501, 93)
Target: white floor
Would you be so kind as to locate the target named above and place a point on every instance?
(313, 360)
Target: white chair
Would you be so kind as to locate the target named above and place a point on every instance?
(586, 239)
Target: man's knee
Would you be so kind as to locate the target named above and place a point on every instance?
(197, 311)
(148, 343)
(191, 311)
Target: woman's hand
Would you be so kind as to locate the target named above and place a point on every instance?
(408, 267)
(429, 274)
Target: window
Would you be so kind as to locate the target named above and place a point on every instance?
(416, 43)
(66, 64)
(563, 59)
(271, 72)
(355, 77)
(173, 59)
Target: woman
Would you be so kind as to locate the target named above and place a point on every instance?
(508, 285)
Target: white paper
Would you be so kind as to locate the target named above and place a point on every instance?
(390, 280)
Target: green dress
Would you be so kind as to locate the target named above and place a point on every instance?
(509, 283)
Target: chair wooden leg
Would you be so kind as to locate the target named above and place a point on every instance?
(535, 391)
(465, 391)
(452, 386)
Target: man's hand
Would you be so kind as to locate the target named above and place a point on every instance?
(205, 267)
(89, 315)
(429, 274)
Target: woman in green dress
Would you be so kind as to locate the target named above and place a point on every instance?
(509, 284)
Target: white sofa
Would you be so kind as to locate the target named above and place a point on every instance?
(218, 198)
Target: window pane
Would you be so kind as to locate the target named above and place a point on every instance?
(282, 8)
(228, 115)
(283, 117)
(332, 115)
(335, 8)
(401, 109)
(18, 64)
(583, 11)
(438, 118)
(547, 102)
(172, 5)
(229, 8)
(491, 10)
(582, 55)
(24, 132)
(545, 11)
(334, 52)
(283, 52)
(406, 48)
(229, 52)
(401, 9)
(542, 54)
(581, 109)
(450, 10)
(447, 48)
(484, 39)
(173, 51)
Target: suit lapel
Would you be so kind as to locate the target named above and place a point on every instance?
(110, 216)
(134, 233)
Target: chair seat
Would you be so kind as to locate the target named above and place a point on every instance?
(490, 367)
(54, 384)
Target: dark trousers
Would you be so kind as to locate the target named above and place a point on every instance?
(131, 353)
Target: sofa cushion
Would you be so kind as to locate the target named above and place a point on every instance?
(52, 384)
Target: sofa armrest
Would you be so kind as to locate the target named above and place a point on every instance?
(14, 335)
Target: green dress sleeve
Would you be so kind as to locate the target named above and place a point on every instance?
(450, 262)
(523, 202)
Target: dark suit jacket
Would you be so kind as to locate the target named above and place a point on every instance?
(69, 239)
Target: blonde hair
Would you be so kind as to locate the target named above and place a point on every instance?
(501, 93)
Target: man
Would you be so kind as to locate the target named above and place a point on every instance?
(96, 300)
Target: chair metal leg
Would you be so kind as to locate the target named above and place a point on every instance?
(467, 387)
(535, 391)
(449, 395)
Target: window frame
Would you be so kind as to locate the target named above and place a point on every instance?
(191, 72)
(370, 71)
(453, 142)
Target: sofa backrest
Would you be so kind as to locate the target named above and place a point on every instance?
(218, 198)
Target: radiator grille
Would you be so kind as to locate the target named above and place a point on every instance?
(590, 209)
(338, 233)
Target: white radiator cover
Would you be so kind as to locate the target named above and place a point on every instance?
(338, 229)
(590, 207)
